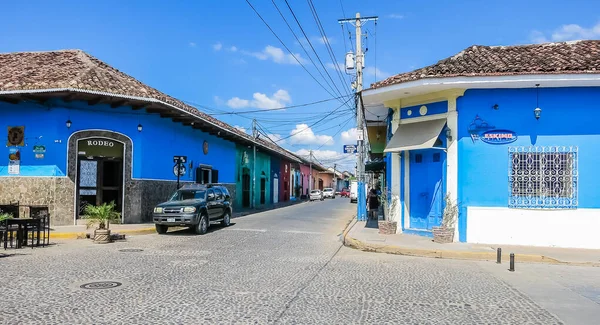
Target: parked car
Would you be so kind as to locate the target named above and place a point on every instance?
(194, 206)
(328, 192)
(316, 195)
(345, 192)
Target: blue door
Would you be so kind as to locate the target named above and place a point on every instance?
(426, 190)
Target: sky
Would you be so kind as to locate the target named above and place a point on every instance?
(221, 57)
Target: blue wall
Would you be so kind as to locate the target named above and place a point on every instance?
(153, 148)
(432, 109)
(568, 118)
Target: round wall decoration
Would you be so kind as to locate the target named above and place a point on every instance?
(423, 110)
(205, 147)
(16, 135)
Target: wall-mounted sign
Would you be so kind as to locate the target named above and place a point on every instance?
(179, 170)
(205, 147)
(498, 136)
(360, 135)
(16, 136)
(182, 159)
(39, 151)
(482, 130)
(14, 161)
(350, 148)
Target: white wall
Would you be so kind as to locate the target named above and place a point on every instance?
(559, 228)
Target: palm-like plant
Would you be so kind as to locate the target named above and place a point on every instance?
(103, 215)
(4, 216)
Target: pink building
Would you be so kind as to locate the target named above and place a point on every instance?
(304, 172)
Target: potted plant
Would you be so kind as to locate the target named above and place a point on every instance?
(102, 215)
(388, 225)
(445, 233)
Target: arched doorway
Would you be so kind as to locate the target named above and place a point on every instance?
(246, 188)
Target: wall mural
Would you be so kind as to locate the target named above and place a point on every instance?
(479, 129)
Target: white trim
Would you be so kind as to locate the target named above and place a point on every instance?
(406, 189)
(424, 118)
(76, 208)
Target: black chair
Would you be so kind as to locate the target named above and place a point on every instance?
(8, 230)
(40, 229)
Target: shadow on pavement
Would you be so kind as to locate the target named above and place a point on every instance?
(372, 224)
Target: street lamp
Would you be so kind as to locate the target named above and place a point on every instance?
(537, 112)
(68, 123)
(139, 128)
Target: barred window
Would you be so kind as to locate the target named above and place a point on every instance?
(543, 177)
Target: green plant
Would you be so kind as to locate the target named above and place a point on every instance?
(103, 215)
(4, 216)
(389, 209)
(450, 214)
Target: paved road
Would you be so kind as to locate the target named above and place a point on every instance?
(284, 266)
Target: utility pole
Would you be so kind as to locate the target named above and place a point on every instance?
(254, 136)
(359, 57)
(334, 179)
(310, 176)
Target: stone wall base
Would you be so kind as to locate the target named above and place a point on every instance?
(57, 193)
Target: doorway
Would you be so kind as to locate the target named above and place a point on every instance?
(426, 190)
(246, 188)
(263, 188)
(99, 173)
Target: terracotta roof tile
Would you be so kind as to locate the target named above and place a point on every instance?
(548, 58)
(78, 70)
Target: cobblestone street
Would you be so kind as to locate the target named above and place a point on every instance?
(284, 266)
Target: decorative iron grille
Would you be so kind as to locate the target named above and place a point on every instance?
(542, 177)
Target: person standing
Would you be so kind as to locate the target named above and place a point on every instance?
(373, 203)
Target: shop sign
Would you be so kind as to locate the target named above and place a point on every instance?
(100, 143)
(14, 161)
(498, 136)
(39, 151)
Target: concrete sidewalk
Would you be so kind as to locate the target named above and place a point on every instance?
(79, 231)
(365, 236)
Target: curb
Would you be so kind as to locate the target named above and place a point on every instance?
(82, 235)
(347, 229)
(455, 255)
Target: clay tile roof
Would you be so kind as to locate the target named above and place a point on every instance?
(77, 70)
(548, 58)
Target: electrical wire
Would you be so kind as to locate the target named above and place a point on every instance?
(279, 108)
(291, 53)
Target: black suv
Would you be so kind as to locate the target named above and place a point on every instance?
(194, 206)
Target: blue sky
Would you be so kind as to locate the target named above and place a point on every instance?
(220, 55)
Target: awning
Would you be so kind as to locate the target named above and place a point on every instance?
(413, 136)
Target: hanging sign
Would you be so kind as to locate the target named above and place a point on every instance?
(16, 136)
(179, 170)
(360, 135)
(14, 161)
(498, 136)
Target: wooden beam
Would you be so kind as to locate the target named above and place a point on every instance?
(118, 103)
(95, 101)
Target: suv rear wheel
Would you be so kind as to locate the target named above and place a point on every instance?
(202, 226)
(161, 229)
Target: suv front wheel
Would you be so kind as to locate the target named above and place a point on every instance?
(161, 229)
(226, 219)
(202, 226)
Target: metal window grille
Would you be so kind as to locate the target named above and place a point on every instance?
(542, 177)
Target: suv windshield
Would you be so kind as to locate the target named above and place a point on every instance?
(314, 191)
(188, 195)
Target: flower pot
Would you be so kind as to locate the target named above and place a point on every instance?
(102, 236)
(387, 227)
(443, 235)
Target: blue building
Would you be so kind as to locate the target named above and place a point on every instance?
(507, 134)
(81, 132)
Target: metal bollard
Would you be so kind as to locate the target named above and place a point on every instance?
(499, 256)
(512, 262)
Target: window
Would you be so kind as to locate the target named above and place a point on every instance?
(543, 177)
(418, 158)
(211, 195)
(436, 157)
(204, 174)
(219, 194)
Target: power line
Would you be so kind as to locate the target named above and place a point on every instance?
(310, 43)
(278, 108)
(291, 53)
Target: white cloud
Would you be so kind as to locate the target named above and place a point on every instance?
(192, 44)
(237, 102)
(395, 16)
(303, 134)
(349, 137)
(240, 128)
(217, 46)
(276, 55)
(233, 49)
(322, 40)
(370, 71)
(218, 100)
(340, 66)
(276, 138)
(329, 157)
(279, 99)
(568, 32)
